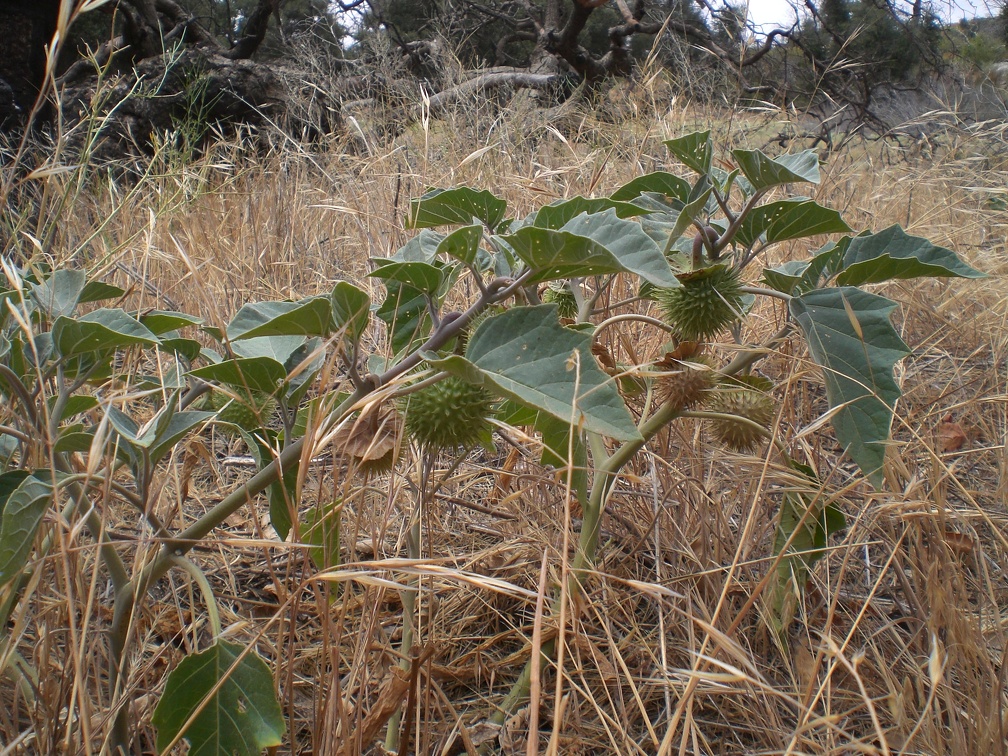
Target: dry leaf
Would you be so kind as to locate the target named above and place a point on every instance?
(372, 438)
(951, 436)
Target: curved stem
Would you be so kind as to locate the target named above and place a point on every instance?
(758, 291)
(188, 566)
(633, 316)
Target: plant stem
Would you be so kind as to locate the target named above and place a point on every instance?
(605, 476)
(204, 585)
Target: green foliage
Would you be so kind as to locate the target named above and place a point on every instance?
(229, 695)
(498, 347)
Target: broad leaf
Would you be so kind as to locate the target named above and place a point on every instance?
(893, 253)
(659, 182)
(96, 291)
(421, 248)
(850, 335)
(241, 717)
(557, 214)
(765, 172)
(163, 321)
(693, 150)
(187, 349)
(278, 348)
(418, 275)
(442, 207)
(59, 294)
(99, 331)
(309, 317)
(262, 374)
(351, 309)
(591, 245)
(22, 511)
(405, 312)
(462, 244)
(789, 219)
(526, 355)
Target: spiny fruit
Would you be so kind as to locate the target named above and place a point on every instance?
(448, 414)
(561, 294)
(248, 413)
(742, 397)
(684, 384)
(709, 300)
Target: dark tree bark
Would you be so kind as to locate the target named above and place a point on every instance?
(26, 26)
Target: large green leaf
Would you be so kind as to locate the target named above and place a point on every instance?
(60, 293)
(262, 374)
(241, 717)
(893, 253)
(659, 182)
(99, 331)
(788, 219)
(765, 172)
(177, 428)
(693, 150)
(405, 312)
(421, 248)
(164, 321)
(462, 243)
(526, 355)
(557, 214)
(309, 317)
(418, 275)
(442, 207)
(591, 245)
(351, 309)
(850, 335)
(22, 511)
(96, 291)
(278, 348)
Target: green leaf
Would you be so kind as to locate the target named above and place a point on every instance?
(659, 182)
(591, 245)
(163, 321)
(557, 214)
(321, 529)
(177, 428)
(808, 523)
(187, 349)
(421, 248)
(405, 312)
(99, 331)
(462, 244)
(59, 294)
(851, 337)
(765, 172)
(282, 494)
(441, 207)
(75, 405)
(789, 219)
(351, 309)
(96, 291)
(22, 513)
(893, 253)
(526, 355)
(74, 439)
(277, 348)
(262, 374)
(242, 715)
(786, 277)
(417, 275)
(309, 317)
(693, 210)
(693, 150)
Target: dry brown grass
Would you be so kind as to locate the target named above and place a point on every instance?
(899, 645)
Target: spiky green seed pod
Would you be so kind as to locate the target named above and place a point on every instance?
(709, 300)
(248, 413)
(743, 397)
(448, 414)
(685, 384)
(561, 294)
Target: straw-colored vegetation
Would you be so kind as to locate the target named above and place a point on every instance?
(899, 643)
